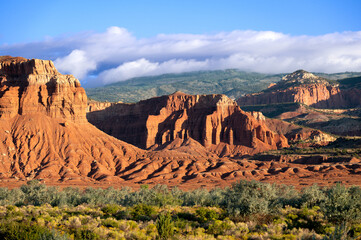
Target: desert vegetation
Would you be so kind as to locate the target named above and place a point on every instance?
(246, 210)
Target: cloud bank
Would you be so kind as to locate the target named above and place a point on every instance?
(117, 55)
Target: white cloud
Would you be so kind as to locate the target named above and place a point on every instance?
(75, 63)
(117, 55)
(143, 67)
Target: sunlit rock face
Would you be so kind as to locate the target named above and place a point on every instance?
(215, 121)
(306, 88)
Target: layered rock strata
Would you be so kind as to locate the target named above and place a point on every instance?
(306, 88)
(215, 121)
(44, 131)
(44, 135)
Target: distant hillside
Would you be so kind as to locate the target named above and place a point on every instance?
(309, 89)
(233, 83)
(350, 82)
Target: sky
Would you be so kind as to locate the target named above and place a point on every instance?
(102, 42)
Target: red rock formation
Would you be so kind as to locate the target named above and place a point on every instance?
(306, 88)
(44, 131)
(295, 134)
(215, 121)
(44, 135)
(35, 86)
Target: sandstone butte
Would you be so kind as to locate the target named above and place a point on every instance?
(214, 121)
(306, 88)
(44, 134)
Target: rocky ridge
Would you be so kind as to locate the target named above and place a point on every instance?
(44, 131)
(304, 87)
(215, 121)
(35, 86)
(45, 135)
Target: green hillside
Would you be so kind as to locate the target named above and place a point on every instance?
(234, 83)
(350, 82)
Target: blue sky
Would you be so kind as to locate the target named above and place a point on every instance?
(160, 36)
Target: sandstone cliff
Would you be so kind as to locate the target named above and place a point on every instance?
(44, 131)
(306, 88)
(44, 135)
(35, 86)
(215, 121)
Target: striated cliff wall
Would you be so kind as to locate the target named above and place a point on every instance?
(209, 119)
(35, 86)
(44, 131)
(306, 88)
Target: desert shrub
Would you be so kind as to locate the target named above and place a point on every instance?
(14, 196)
(53, 235)
(84, 234)
(219, 227)
(216, 197)
(250, 197)
(342, 204)
(306, 218)
(122, 196)
(26, 231)
(340, 232)
(197, 197)
(312, 196)
(355, 230)
(159, 195)
(94, 196)
(111, 209)
(12, 212)
(142, 212)
(204, 215)
(187, 216)
(184, 226)
(70, 197)
(286, 196)
(110, 222)
(37, 194)
(151, 231)
(165, 226)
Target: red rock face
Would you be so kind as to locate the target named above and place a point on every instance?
(44, 131)
(215, 121)
(35, 86)
(44, 135)
(305, 88)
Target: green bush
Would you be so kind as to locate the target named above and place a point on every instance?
(340, 232)
(219, 227)
(37, 194)
(111, 209)
(187, 216)
(312, 196)
(26, 231)
(110, 222)
(250, 197)
(85, 234)
(306, 218)
(142, 212)
(165, 226)
(54, 235)
(14, 196)
(342, 204)
(355, 230)
(204, 215)
(197, 197)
